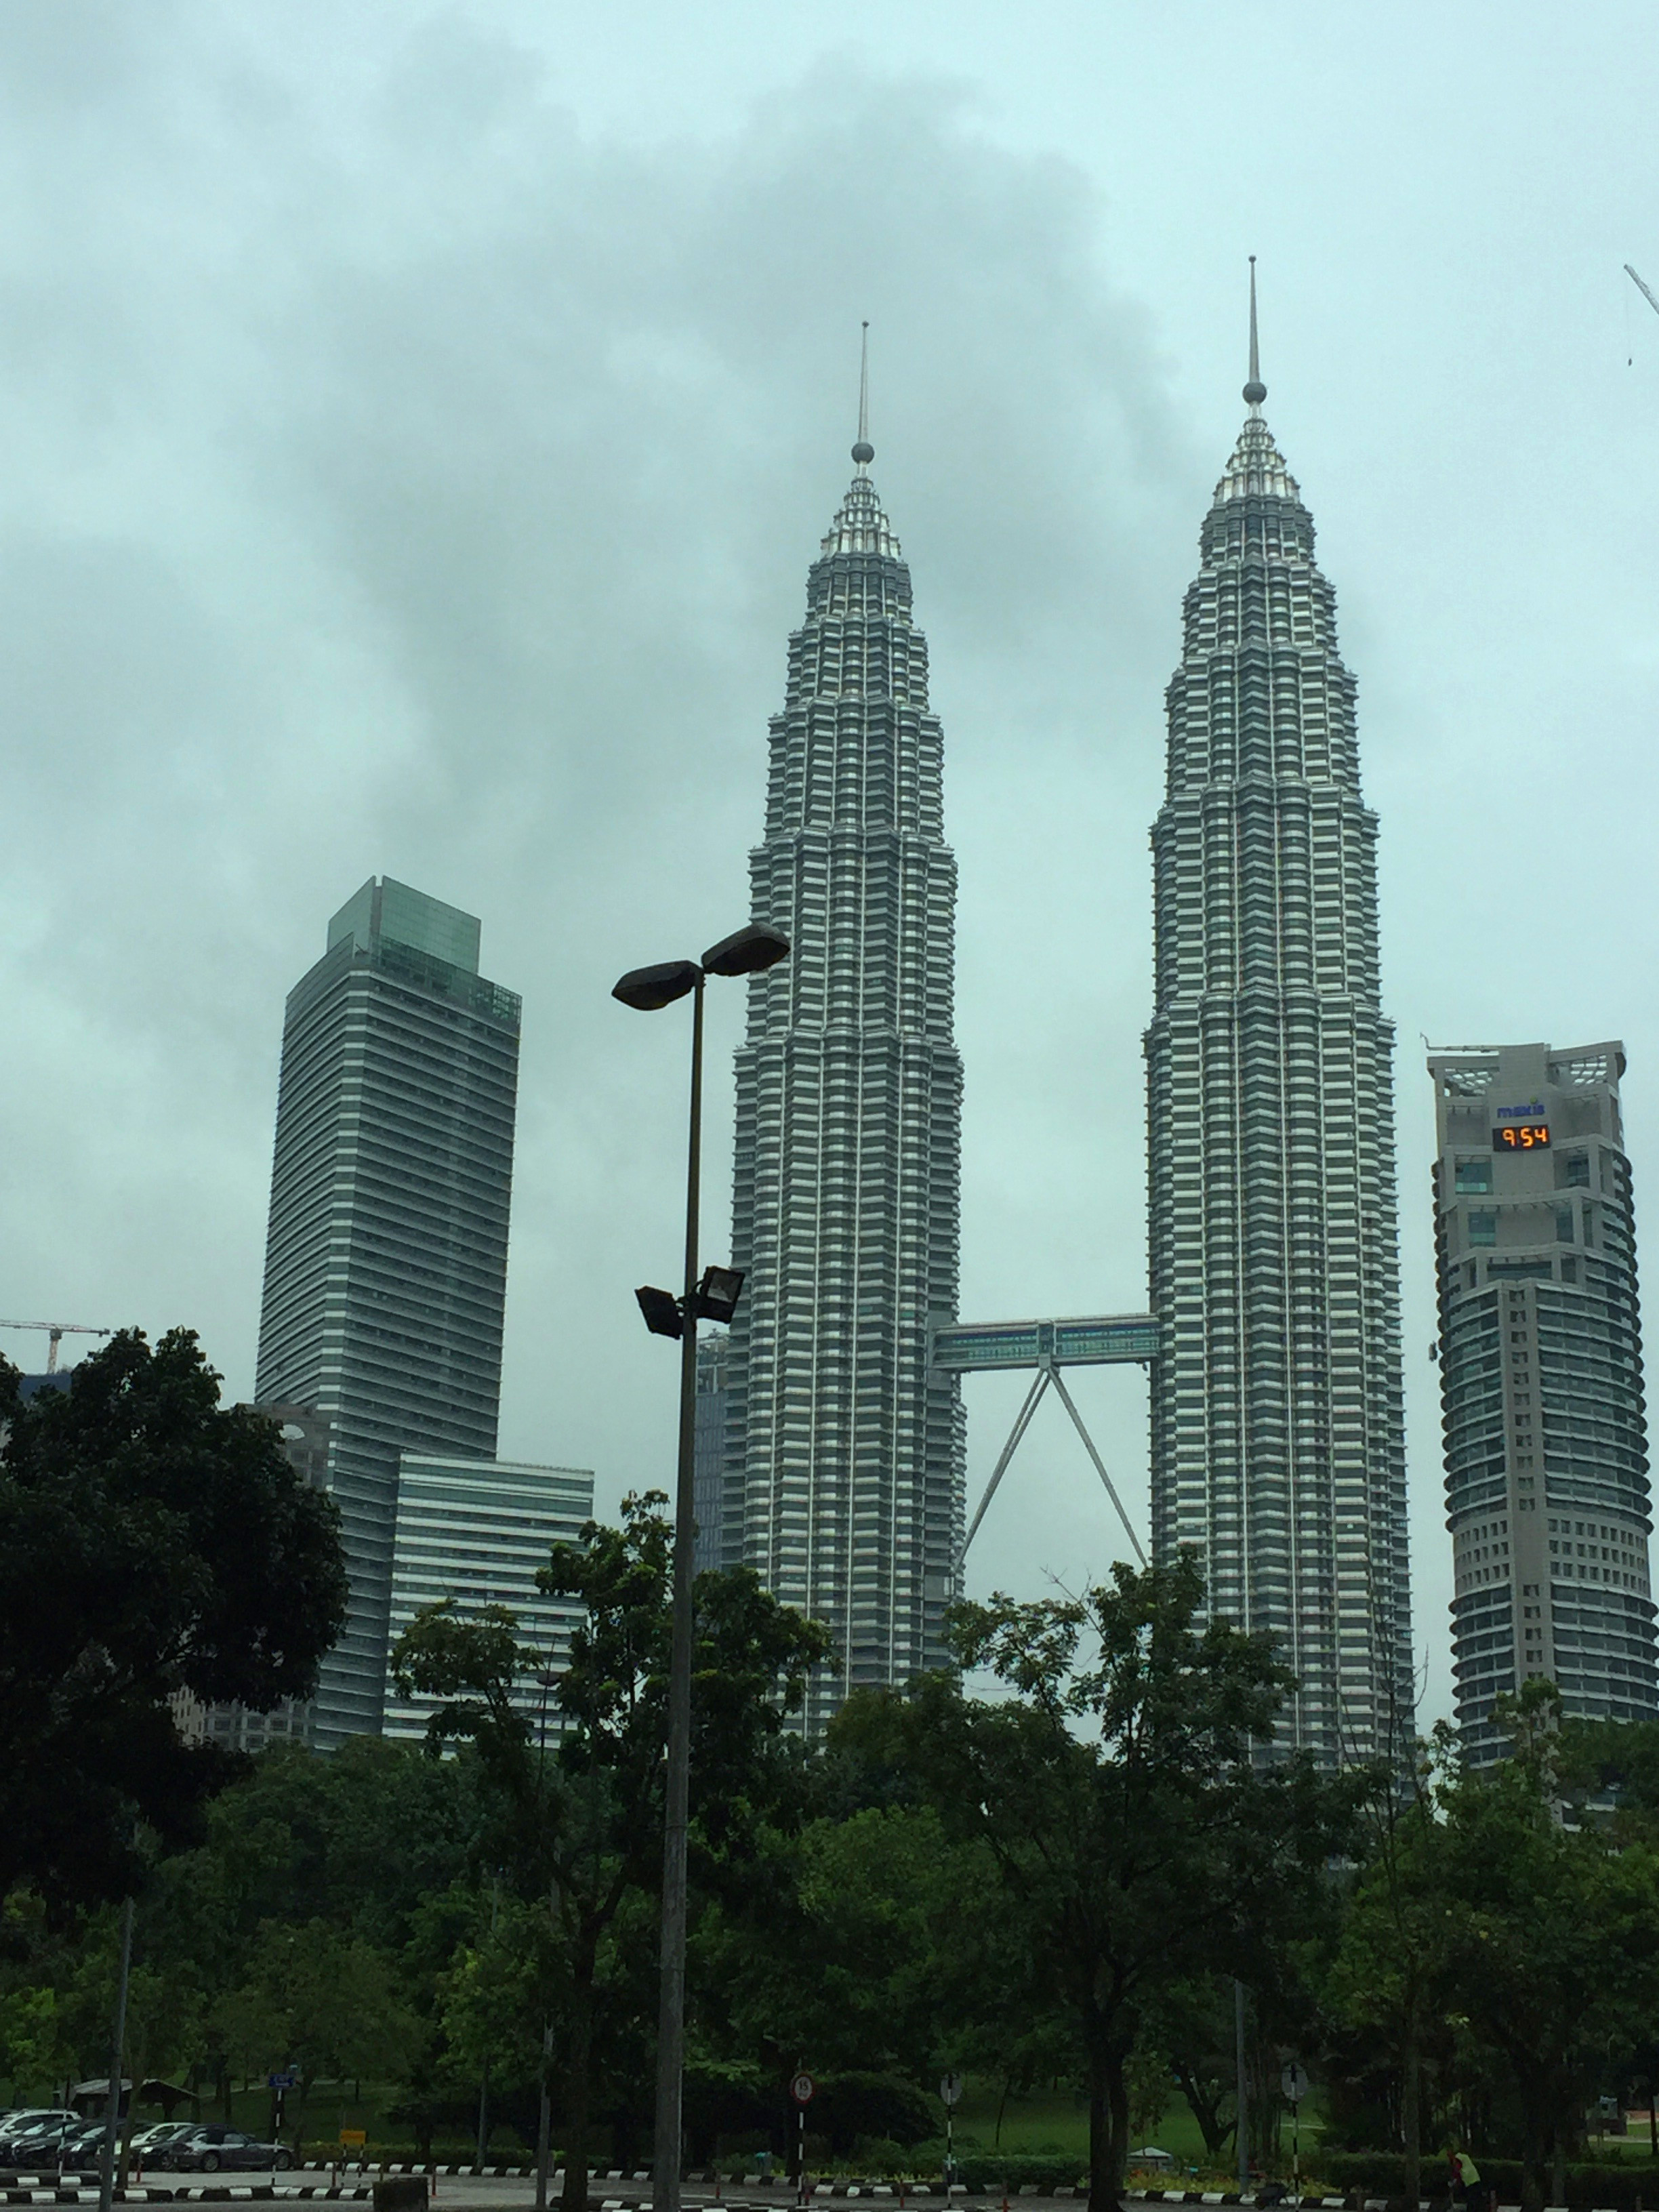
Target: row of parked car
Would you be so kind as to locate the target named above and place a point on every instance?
(66, 2140)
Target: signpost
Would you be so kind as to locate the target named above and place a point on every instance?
(1293, 2081)
(281, 2084)
(950, 2095)
(801, 2089)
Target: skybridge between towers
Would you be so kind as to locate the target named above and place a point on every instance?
(989, 1347)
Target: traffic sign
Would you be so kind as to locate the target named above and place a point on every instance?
(950, 2089)
(1294, 2082)
(802, 2088)
(352, 2138)
(286, 2081)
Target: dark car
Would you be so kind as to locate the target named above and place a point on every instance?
(82, 2146)
(32, 2120)
(210, 2149)
(40, 2145)
(149, 2143)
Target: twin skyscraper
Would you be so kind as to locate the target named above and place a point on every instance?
(832, 1453)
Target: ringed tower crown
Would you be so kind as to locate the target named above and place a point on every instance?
(845, 1455)
(1277, 1436)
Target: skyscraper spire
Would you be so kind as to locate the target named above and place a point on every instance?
(1255, 390)
(864, 452)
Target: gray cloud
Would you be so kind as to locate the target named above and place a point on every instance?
(417, 431)
(405, 481)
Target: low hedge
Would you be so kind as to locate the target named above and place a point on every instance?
(1049, 2170)
(1629, 2186)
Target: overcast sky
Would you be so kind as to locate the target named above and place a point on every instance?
(416, 425)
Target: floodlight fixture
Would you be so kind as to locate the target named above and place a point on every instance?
(645, 989)
(718, 1293)
(746, 951)
(662, 1312)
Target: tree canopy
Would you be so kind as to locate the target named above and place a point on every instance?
(1138, 1840)
(152, 1542)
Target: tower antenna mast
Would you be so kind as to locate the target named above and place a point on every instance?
(1255, 390)
(1642, 288)
(863, 451)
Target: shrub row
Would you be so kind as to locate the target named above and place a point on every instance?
(1633, 2187)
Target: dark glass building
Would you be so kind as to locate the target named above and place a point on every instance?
(385, 1267)
(1541, 1379)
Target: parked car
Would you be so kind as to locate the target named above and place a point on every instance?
(82, 2146)
(206, 2150)
(150, 2142)
(31, 2121)
(39, 2145)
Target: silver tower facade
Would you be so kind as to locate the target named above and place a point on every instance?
(385, 1264)
(1278, 1437)
(845, 1463)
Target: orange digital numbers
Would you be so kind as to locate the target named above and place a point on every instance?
(1521, 1137)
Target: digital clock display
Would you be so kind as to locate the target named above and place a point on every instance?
(1521, 1137)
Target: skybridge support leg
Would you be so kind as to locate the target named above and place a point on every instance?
(1022, 1422)
(1100, 1465)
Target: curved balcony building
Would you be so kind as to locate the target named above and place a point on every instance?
(1548, 1497)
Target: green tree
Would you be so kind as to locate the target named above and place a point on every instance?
(1137, 1842)
(151, 1541)
(578, 1810)
(1388, 1974)
(1549, 1951)
(326, 2003)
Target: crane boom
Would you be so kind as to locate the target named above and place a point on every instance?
(1642, 288)
(56, 1332)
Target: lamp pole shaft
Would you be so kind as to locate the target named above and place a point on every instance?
(671, 2023)
(118, 2046)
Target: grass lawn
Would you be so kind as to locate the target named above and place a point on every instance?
(1051, 2120)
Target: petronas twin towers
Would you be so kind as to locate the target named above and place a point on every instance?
(1277, 1431)
(845, 1457)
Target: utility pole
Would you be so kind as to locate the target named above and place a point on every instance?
(1240, 2131)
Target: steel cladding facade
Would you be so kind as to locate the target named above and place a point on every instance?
(1278, 1442)
(845, 1463)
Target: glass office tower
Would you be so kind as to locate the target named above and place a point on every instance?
(475, 1534)
(385, 1267)
(1541, 1378)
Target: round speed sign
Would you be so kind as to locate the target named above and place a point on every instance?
(802, 2088)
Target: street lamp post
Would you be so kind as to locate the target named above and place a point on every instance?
(713, 1297)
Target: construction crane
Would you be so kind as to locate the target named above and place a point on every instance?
(1642, 288)
(56, 1332)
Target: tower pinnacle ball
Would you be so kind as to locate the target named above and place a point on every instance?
(863, 452)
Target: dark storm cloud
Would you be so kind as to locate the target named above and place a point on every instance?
(402, 479)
